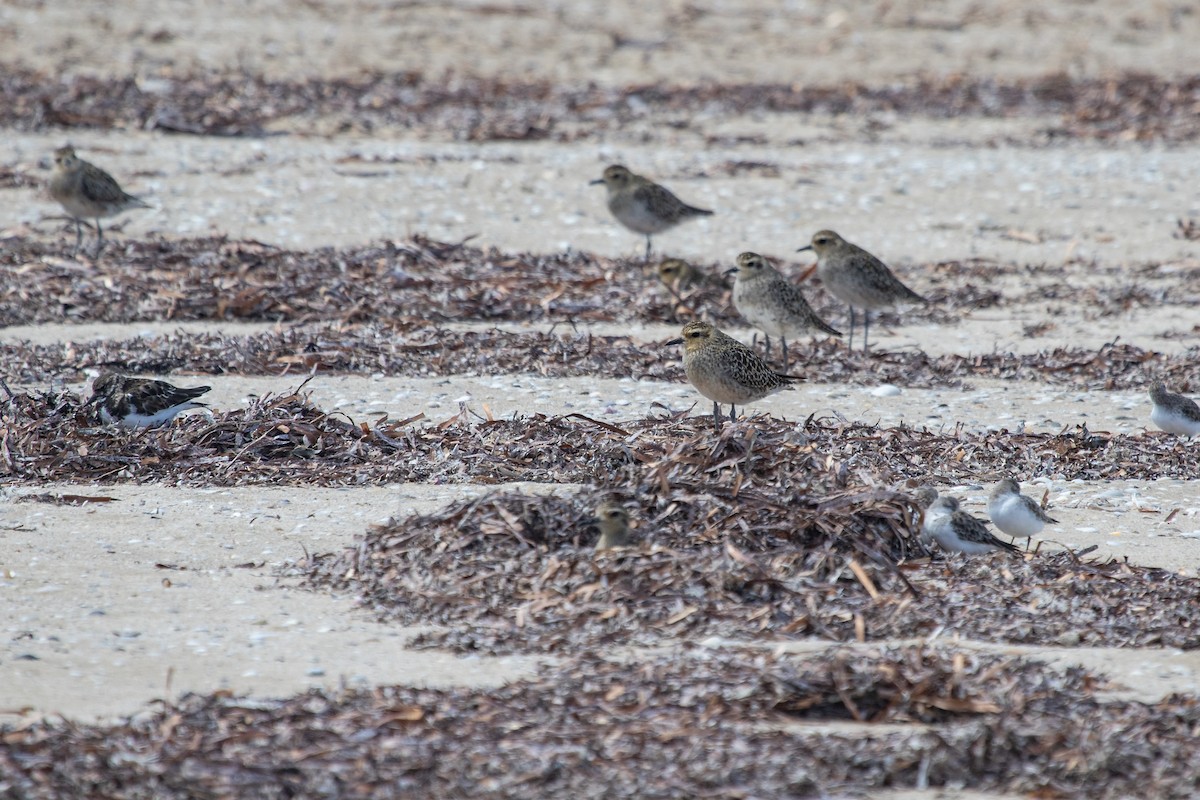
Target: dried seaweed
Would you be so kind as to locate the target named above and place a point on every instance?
(812, 554)
(1132, 106)
(532, 573)
(51, 436)
(420, 281)
(429, 351)
(662, 726)
(404, 283)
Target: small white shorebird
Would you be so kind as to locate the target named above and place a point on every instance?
(1174, 413)
(957, 531)
(1014, 513)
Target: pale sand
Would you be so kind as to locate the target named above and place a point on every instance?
(904, 201)
(619, 42)
(94, 627)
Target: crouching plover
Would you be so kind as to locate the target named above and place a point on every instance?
(614, 525)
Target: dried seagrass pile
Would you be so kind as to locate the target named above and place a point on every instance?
(1127, 107)
(660, 725)
(431, 351)
(284, 440)
(729, 553)
(411, 283)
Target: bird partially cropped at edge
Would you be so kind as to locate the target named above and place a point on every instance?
(1174, 413)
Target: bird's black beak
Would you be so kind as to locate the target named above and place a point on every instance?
(730, 271)
(802, 249)
(597, 181)
(674, 341)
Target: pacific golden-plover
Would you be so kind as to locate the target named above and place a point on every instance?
(726, 371)
(772, 304)
(642, 205)
(857, 278)
(614, 525)
(87, 192)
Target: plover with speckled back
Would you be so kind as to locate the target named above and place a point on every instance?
(857, 278)
(643, 206)
(726, 371)
(1014, 513)
(87, 192)
(772, 304)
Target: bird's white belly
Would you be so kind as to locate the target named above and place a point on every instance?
(1174, 423)
(1013, 518)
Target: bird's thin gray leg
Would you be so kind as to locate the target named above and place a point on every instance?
(716, 415)
(78, 237)
(866, 328)
(767, 341)
(99, 238)
(785, 356)
(647, 247)
(850, 344)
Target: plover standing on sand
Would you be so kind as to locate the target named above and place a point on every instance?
(857, 278)
(642, 205)
(87, 192)
(726, 371)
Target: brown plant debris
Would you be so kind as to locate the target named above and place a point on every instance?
(433, 351)
(1132, 106)
(662, 726)
(421, 281)
(282, 439)
(814, 554)
(405, 283)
